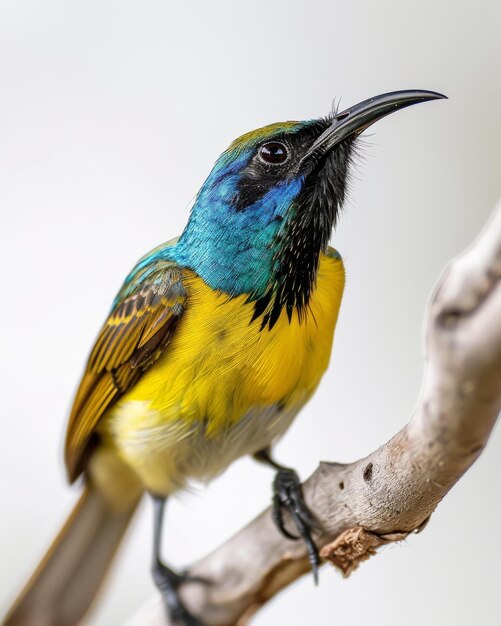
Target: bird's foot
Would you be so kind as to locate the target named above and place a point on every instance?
(168, 583)
(287, 494)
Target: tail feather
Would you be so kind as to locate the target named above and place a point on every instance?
(68, 578)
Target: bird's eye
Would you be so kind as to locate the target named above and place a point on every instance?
(273, 152)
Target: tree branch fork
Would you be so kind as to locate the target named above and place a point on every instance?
(392, 492)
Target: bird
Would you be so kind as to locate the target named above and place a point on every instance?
(213, 344)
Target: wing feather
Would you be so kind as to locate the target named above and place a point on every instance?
(136, 332)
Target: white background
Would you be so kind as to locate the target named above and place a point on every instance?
(111, 115)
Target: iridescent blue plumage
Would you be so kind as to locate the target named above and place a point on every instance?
(243, 262)
(233, 248)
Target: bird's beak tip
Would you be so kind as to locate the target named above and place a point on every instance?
(359, 117)
(436, 95)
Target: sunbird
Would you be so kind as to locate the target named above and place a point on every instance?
(214, 343)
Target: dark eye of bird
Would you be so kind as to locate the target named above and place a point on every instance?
(273, 152)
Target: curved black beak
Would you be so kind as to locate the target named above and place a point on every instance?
(356, 119)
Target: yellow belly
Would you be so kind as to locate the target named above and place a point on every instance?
(223, 387)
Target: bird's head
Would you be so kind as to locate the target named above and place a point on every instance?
(267, 209)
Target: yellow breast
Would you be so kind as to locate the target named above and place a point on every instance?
(219, 367)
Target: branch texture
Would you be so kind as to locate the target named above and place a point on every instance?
(393, 491)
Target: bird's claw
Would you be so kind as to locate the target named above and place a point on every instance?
(287, 494)
(180, 616)
(168, 583)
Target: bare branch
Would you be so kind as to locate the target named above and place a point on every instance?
(393, 491)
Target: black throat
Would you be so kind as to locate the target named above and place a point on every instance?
(304, 237)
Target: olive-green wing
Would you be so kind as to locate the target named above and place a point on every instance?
(137, 331)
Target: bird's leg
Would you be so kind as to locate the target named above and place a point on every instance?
(287, 494)
(166, 580)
